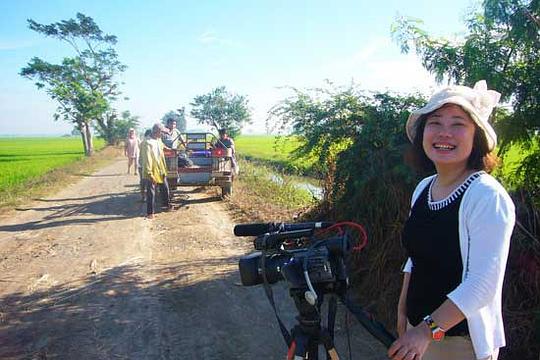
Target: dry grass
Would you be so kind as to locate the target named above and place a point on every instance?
(257, 198)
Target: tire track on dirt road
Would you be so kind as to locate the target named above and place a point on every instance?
(84, 276)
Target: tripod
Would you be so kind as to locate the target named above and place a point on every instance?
(308, 334)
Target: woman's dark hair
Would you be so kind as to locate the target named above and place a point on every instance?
(480, 159)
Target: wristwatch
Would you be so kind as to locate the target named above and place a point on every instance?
(437, 333)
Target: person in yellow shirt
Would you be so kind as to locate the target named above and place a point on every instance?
(142, 180)
(154, 169)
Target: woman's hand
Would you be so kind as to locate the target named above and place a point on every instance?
(412, 344)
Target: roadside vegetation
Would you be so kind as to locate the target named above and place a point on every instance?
(263, 193)
(270, 186)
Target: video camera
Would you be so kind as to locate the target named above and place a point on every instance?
(293, 252)
(311, 257)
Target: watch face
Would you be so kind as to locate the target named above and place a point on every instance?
(438, 335)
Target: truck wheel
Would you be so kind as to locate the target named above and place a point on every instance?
(226, 190)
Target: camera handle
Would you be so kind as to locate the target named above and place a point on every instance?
(310, 295)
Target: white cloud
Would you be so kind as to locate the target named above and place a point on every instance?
(210, 37)
(400, 74)
(380, 66)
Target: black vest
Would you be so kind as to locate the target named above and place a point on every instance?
(431, 238)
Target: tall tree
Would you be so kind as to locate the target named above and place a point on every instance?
(83, 85)
(222, 109)
(503, 47)
(179, 116)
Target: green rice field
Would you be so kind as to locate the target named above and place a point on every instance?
(265, 148)
(26, 158)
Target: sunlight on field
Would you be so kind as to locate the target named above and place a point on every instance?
(22, 159)
(267, 149)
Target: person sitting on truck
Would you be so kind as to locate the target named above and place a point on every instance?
(226, 142)
(173, 138)
(175, 141)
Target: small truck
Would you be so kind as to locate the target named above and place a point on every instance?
(200, 164)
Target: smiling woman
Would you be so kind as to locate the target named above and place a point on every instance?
(457, 236)
(23, 159)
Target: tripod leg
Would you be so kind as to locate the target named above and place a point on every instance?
(326, 339)
(291, 351)
(298, 349)
(313, 349)
(333, 354)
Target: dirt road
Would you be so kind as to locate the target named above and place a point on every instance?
(84, 276)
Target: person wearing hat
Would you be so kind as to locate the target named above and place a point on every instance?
(155, 169)
(457, 236)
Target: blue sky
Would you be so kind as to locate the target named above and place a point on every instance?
(176, 50)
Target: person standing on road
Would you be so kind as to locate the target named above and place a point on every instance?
(131, 150)
(142, 180)
(457, 235)
(155, 169)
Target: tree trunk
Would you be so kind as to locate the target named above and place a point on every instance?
(85, 144)
(110, 128)
(90, 151)
(82, 128)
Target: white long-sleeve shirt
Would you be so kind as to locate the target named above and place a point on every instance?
(486, 220)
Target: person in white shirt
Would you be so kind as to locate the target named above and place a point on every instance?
(131, 150)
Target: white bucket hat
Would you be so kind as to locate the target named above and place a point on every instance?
(478, 102)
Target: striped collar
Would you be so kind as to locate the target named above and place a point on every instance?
(454, 195)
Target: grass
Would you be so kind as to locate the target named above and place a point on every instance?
(25, 162)
(22, 159)
(263, 199)
(272, 150)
